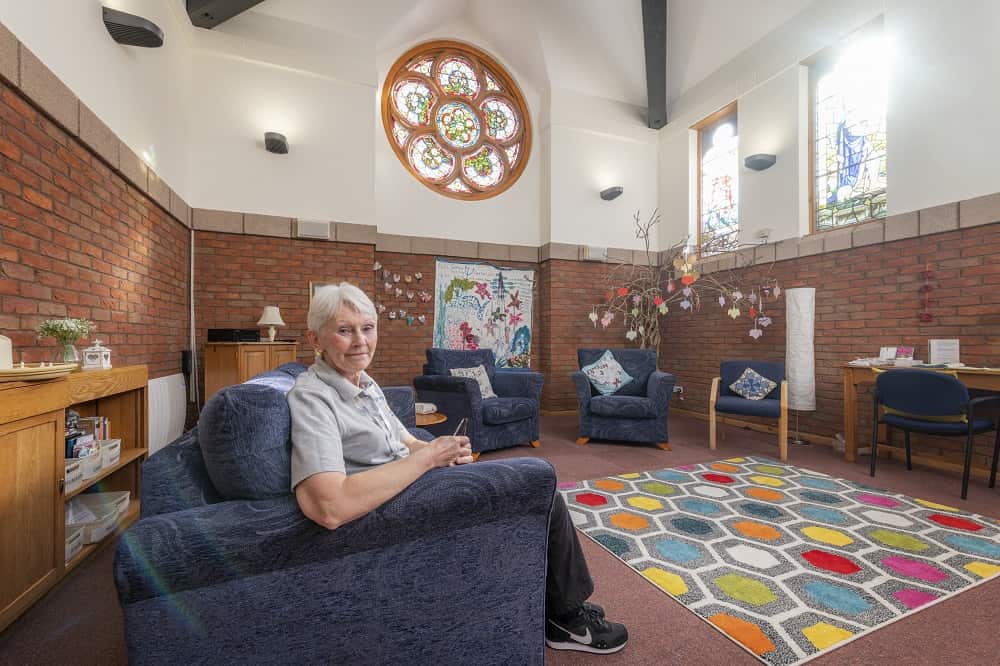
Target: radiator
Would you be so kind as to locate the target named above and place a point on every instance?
(167, 409)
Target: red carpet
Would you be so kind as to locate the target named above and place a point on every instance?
(80, 622)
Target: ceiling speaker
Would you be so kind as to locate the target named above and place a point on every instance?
(132, 30)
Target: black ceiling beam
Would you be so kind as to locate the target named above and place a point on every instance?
(654, 32)
(210, 13)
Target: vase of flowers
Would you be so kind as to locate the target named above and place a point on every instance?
(66, 332)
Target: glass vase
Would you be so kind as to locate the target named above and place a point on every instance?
(67, 353)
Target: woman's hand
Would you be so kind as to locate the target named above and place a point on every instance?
(465, 453)
(445, 451)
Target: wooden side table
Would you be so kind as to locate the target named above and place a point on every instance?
(430, 419)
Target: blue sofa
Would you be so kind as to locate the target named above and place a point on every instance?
(223, 568)
(510, 419)
(637, 412)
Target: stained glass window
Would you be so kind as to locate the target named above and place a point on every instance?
(719, 229)
(456, 119)
(849, 167)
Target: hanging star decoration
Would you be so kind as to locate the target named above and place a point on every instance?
(639, 292)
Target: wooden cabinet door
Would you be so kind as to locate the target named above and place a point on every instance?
(253, 361)
(31, 510)
(281, 354)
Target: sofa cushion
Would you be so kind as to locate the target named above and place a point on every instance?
(479, 374)
(244, 433)
(624, 406)
(606, 374)
(752, 385)
(508, 410)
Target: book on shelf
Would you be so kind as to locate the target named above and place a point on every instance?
(98, 426)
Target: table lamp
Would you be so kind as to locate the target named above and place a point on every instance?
(271, 318)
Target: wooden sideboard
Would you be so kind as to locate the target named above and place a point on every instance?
(32, 495)
(228, 363)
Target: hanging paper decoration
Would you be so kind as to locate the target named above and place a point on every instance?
(607, 318)
(380, 308)
(402, 313)
(657, 301)
(722, 301)
(593, 317)
(756, 332)
(623, 291)
(387, 285)
(686, 291)
(399, 292)
(409, 320)
(685, 304)
(737, 295)
(419, 276)
(635, 312)
(410, 295)
(377, 266)
(671, 287)
(637, 299)
(752, 312)
(631, 335)
(642, 331)
(386, 273)
(392, 314)
(664, 309)
(422, 319)
(764, 322)
(752, 297)
(425, 297)
(734, 312)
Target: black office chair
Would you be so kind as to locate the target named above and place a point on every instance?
(933, 403)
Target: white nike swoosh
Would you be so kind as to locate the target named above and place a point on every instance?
(582, 638)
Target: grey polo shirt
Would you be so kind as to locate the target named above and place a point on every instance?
(340, 427)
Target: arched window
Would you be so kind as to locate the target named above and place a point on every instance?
(456, 120)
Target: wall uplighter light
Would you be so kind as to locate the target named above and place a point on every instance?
(276, 142)
(760, 161)
(611, 193)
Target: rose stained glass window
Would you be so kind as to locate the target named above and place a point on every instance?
(456, 119)
(719, 184)
(849, 130)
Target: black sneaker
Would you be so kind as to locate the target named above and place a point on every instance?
(586, 631)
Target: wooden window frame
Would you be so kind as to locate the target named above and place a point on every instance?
(441, 50)
(729, 109)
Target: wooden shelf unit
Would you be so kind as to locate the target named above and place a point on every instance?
(228, 363)
(32, 496)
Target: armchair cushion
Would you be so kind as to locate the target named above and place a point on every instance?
(752, 385)
(479, 374)
(244, 433)
(624, 406)
(606, 374)
(638, 363)
(508, 410)
(767, 407)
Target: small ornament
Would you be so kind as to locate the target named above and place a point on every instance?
(635, 312)
(752, 297)
(753, 312)
(422, 319)
(764, 322)
(408, 279)
(96, 357)
(734, 312)
(425, 296)
(402, 313)
(410, 295)
(409, 320)
(398, 292)
(722, 301)
(386, 273)
(664, 309)
(392, 314)
(777, 291)
(636, 298)
(609, 295)
(685, 304)
(419, 276)
(687, 279)
(387, 286)
(631, 335)
(607, 318)
(671, 287)
(756, 332)
(737, 295)
(380, 308)
(395, 277)
(593, 317)
(623, 291)
(377, 266)
(657, 301)
(686, 291)
(642, 330)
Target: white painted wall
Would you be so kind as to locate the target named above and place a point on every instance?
(597, 143)
(141, 94)
(943, 102)
(405, 206)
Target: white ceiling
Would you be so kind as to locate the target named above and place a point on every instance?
(591, 46)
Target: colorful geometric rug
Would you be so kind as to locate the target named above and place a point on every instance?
(787, 562)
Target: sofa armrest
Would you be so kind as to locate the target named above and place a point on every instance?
(582, 385)
(518, 384)
(659, 389)
(176, 479)
(209, 545)
(401, 399)
(458, 397)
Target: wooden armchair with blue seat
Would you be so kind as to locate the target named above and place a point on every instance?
(636, 411)
(766, 401)
(934, 403)
(509, 418)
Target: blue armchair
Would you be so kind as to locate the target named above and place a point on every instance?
(774, 405)
(934, 403)
(223, 568)
(637, 412)
(494, 423)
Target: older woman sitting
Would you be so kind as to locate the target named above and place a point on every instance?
(350, 454)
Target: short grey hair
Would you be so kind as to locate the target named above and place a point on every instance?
(328, 300)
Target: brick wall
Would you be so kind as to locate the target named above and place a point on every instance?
(865, 298)
(237, 275)
(78, 240)
(568, 289)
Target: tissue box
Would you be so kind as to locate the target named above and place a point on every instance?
(424, 407)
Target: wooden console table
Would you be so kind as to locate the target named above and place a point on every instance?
(855, 375)
(228, 363)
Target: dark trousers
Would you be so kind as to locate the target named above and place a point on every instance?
(567, 581)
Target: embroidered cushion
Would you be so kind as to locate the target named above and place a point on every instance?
(479, 374)
(606, 374)
(752, 385)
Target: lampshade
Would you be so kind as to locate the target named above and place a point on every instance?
(800, 362)
(271, 317)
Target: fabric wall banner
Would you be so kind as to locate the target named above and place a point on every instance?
(482, 306)
(800, 362)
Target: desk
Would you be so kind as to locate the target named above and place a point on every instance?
(430, 419)
(855, 375)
